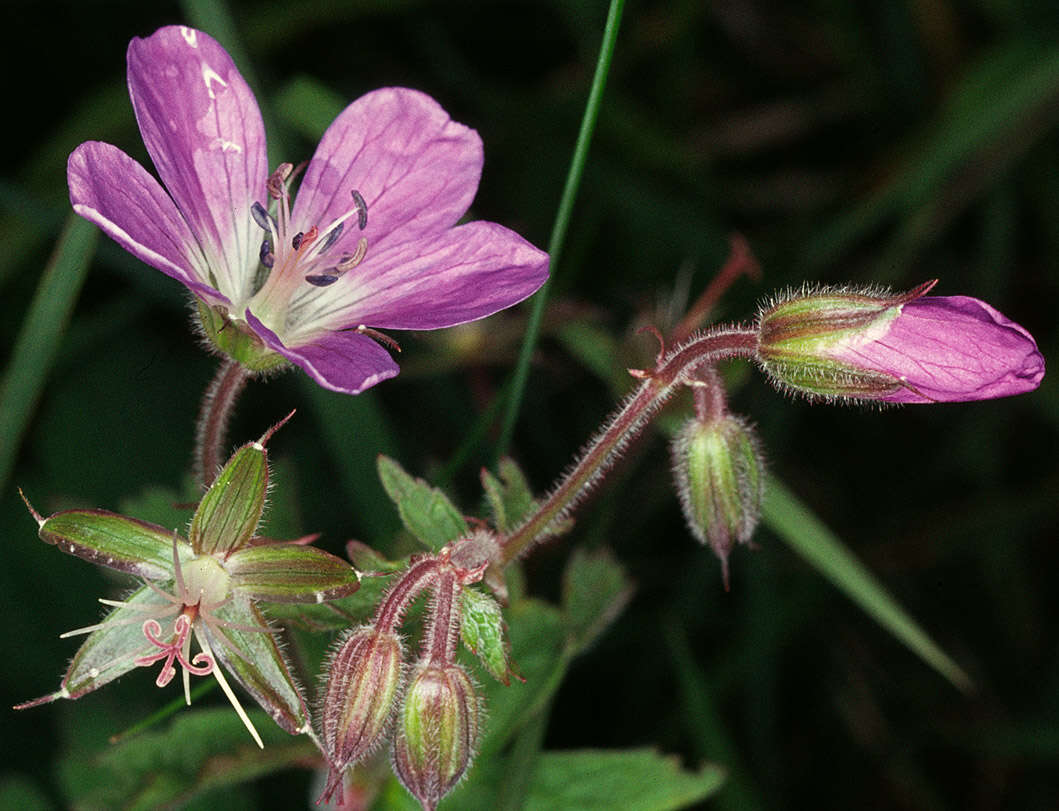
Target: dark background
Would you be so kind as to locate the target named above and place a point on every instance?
(876, 141)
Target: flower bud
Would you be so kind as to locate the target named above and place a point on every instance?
(911, 348)
(436, 733)
(364, 676)
(719, 471)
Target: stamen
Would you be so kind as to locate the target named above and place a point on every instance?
(262, 217)
(351, 261)
(362, 210)
(331, 238)
(385, 340)
(268, 259)
(223, 682)
(304, 238)
(324, 278)
(277, 181)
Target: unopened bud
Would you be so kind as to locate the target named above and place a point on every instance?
(719, 471)
(364, 676)
(908, 348)
(436, 733)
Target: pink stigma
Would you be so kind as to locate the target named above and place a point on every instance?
(201, 665)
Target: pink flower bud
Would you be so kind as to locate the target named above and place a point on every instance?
(364, 676)
(908, 348)
(436, 733)
(719, 471)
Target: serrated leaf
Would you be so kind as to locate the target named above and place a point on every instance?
(426, 511)
(255, 660)
(509, 496)
(792, 521)
(109, 539)
(629, 780)
(288, 573)
(230, 511)
(595, 590)
(482, 631)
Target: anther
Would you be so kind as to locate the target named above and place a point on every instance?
(362, 209)
(352, 260)
(331, 238)
(266, 256)
(296, 243)
(304, 238)
(277, 180)
(262, 217)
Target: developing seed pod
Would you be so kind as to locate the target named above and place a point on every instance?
(719, 471)
(364, 677)
(437, 732)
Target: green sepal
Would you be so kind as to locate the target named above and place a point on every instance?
(287, 573)
(482, 631)
(111, 651)
(236, 341)
(231, 509)
(335, 615)
(255, 660)
(426, 511)
(365, 559)
(510, 498)
(109, 539)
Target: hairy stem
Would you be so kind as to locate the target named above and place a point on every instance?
(218, 403)
(677, 368)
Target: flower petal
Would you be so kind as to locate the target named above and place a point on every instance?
(341, 361)
(112, 190)
(203, 130)
(416, 169)
(955, 348)
(463, 274)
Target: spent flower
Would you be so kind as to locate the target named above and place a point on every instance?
(206, 586)
(908, 348)
(371, 242)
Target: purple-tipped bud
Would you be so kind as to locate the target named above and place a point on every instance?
(364, 677)
(719, 472)
(908, 348)
(436, 733)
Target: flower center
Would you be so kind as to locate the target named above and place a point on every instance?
(290, 259)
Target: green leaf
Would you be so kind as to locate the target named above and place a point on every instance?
(426, 512)
(595, 590)
(785, 515)
(40, 334)
(112, 540)
(201, 751)
(631, 780)
(230, 511)
(482, 631)
(289, 573)
(255, 660)
(510, 498)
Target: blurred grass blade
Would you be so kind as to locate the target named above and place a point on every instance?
(42, 329)
(562, 220)
(790, 519)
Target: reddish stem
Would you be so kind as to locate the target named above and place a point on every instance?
(218, 403)
(677, 368)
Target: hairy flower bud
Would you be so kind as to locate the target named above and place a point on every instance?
(364, 676)
(719, 471)
(437, 732)
(910, 348)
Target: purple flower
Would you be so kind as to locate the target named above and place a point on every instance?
(909, 348)
(370, 243)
